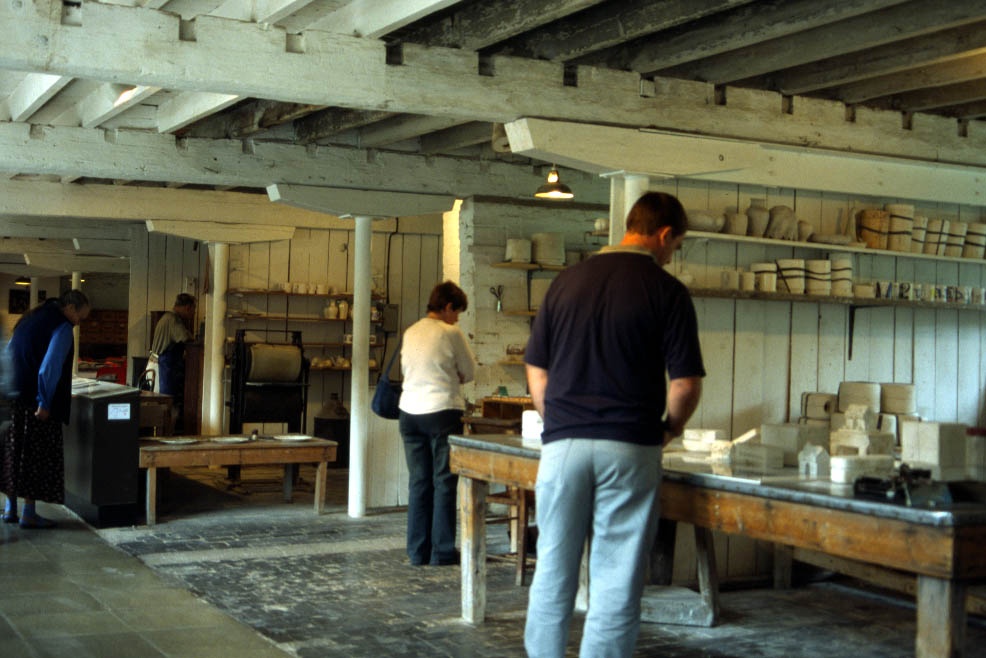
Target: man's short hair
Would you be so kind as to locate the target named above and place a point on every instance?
(655, 210)
(184, 299)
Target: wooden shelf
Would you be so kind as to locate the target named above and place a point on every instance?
(859, 302)
(243, 317)
(821, 246)
(530, 267)
(243, 292)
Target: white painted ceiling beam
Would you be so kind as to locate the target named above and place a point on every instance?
(32, 93)
(10, 245)
(109, 100)
(371, 203)
(104, 247)
(338, 70)
(220, 232)
(67, 228)
(113, 203)
(400, 128)
(374, 18)
(273, 11)
(457, 137)
(97, 153)
(183, 109)
(67, 264)
(610, 149)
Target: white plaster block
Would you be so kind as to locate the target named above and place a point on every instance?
(942, 443)
(845, 469)
(858, 442)
(755, 455)
(910, 446)
(787, 437)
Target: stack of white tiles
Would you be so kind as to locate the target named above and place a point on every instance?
(940, 447)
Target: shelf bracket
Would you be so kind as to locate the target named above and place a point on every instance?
(852, 323)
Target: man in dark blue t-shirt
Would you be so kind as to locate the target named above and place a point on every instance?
(608, 332)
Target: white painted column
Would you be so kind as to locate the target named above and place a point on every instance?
(624, 190)
(212, 411)
(360, 376)
(76, 285)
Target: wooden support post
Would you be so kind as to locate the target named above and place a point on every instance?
(662, 555)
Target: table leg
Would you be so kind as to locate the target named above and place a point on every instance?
(472, 498)
(708, 573)
(783, 563)
(288, 482)
(320, 475)
(941, 618)
(662, 553)
(151, 508)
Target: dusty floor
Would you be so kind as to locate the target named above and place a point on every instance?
(232, 570)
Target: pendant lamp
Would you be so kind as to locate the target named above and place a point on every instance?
(554, 188)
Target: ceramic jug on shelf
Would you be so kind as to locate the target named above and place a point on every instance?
(759, 216)
(343, 309)
(331, 311)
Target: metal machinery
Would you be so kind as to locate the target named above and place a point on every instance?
(269, 383)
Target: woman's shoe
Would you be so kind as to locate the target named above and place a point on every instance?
(37, 523)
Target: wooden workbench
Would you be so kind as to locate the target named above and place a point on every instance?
(941, 547)
(155, 455)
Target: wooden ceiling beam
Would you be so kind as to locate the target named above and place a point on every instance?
(457, 137)
(482, 24)
(32, 93)
(903, 55)
(720, 33)
(402, 127)
(330, 122)
(924, 81)
(375, 18)
(606, 26)
(840, 31)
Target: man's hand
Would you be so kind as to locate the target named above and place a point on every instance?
(41, 413)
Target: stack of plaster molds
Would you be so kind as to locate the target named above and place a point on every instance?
(701, 440)
(817, 408)
(846, 468)
(855, 439)
(898, 403)
(942, 448)
(792, 437)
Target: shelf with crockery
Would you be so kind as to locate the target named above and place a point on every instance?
(530, 267)
(722, 293)
(825, 246)
(243, 292)
(243, 316)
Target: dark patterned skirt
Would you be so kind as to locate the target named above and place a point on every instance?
(32, 464)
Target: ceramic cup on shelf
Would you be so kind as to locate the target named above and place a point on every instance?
(748, 281)
(759, 216)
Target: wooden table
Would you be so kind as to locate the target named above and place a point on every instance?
(206, 452)
(943, 547)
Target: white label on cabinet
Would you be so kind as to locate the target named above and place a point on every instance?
(119, 411)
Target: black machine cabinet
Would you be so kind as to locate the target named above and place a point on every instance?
(266, 400)
(101, 452)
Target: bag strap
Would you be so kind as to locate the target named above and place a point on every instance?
(393, 357)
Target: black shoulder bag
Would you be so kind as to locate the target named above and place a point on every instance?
(388, 394)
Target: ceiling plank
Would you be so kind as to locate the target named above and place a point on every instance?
(331, 122)
(220, 232)
(103, 246)
(249, 119)
(348, 71)
(274, 11)
(929, 78)
(109, 100)
(375, 18)
(939, 97)
(182, 109)
(33, 92)
(838, 35)
(67, 228)
(890, 58)
(457, 137)
(481, 24)
(606, 26)
(402, 127)
(728, 31)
